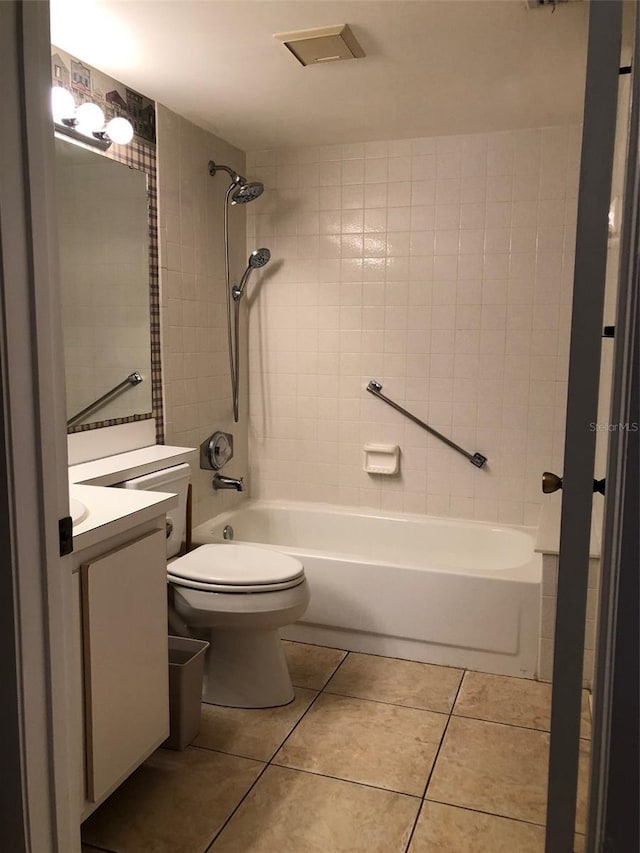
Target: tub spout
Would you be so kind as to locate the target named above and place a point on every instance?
(222, 482)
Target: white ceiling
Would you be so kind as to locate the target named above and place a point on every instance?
(432, 67)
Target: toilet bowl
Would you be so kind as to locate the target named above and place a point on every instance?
(236, 597)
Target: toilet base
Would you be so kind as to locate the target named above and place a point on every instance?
(246, 669)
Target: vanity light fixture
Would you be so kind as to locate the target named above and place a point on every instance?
(86, 122)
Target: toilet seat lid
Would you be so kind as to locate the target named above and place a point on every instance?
(236, 566)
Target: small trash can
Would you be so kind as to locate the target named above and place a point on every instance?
(186, 668)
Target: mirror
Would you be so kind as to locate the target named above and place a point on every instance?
(103, 225)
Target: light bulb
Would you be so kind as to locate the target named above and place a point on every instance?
(62, 104)
(119, 130)
(90, 118)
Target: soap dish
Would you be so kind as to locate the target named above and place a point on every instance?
(381, 458)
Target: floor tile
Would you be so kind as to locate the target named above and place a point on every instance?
(311, 666)
(500, 769)
(447, 829)
(583, 787)
(361, 741)
(174, 803)
(293, 812)
(402, 682)
(252, 733)
(493, 768)
(515, 701)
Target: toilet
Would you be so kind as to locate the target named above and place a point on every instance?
(236, 597)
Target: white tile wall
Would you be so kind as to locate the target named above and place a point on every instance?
(197, 388)
(441, 267)
(548, 618)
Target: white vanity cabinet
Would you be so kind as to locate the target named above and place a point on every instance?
(124, 638)
(116, 631)
(119, 656)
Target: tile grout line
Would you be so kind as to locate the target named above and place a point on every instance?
(446, 728)
(490, 814)
(509, 725)
(268, 763)
(243, 798)
(435, 760)
(348, 781)
(382, 702)
(324, 687)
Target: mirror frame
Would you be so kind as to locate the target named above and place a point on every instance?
(140, 154)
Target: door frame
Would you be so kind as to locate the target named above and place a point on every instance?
(594, 198)
(614, 782)
(35, 809)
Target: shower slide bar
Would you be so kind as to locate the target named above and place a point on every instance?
(477, 459)
(132, 379)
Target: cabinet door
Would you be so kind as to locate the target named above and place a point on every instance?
(124, 599)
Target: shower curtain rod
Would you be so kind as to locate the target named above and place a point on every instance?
(477, 459)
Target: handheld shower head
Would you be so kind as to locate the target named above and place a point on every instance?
(258, 258)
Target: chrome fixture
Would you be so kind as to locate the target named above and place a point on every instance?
(240, 191)
(134, 378)
(227, 532)
(86, 123)
(258, 258)
(221, 482)
(477, 459)
(216, 451)
(244, 191)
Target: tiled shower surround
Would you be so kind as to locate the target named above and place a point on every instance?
(197, 392)
(441, 267)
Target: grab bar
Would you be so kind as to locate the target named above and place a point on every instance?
(134, 378)
(477, 459)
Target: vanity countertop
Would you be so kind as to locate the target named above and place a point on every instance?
(114, 511)
(134, 463)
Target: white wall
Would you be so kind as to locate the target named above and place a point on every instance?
(441, 267)
(197, 390)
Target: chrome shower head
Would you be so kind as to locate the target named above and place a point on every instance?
(258, 258)
(247, 191)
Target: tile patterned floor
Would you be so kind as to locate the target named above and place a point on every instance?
(375, 755)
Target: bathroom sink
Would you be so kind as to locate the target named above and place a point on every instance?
(78, 511)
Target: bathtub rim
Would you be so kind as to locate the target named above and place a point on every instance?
(529, 572)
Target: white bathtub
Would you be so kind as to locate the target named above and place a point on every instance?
(443, 591)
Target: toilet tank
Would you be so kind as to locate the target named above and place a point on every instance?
(176, 481)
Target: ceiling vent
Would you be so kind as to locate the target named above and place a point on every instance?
(323, 44)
